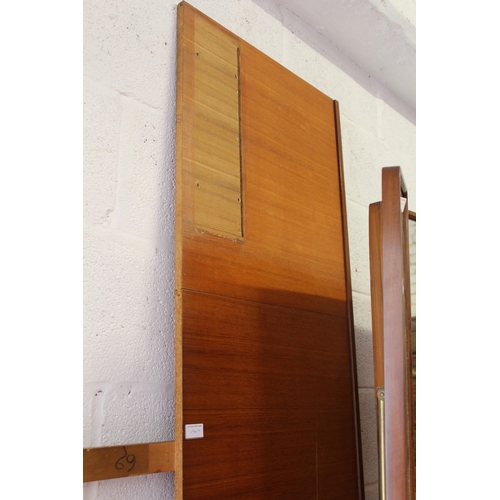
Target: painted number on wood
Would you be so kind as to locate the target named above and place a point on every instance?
(127, 458)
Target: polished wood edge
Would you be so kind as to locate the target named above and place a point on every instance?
(394, 176)
(413, 217)
(394, 321)
(375, 241)
(350, 312)
(242, 161)
(113, 462)
(178, 481)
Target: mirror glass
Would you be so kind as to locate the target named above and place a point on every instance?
(413, 287)
(413, 282)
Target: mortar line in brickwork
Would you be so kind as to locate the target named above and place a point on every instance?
(357, 203)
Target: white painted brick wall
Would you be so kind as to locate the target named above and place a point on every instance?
(129, 196)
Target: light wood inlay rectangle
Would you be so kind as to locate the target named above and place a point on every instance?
(217, 152)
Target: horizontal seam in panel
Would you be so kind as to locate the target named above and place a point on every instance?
(264, 303)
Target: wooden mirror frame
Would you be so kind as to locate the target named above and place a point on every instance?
(391, 322)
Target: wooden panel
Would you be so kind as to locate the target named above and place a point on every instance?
(249, 443)
(396, 369)
(263, 401)
(255, 446)
(215, 166)
(391, 305)
(112, 462)
(337, 460)
(296, 483)
(254, 356)
(264, 351)
(376, 293)
(290, 193)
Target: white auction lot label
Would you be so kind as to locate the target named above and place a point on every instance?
(194, 431)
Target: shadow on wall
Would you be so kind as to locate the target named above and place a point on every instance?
(331, 52)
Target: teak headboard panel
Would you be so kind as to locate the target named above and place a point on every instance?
(265, 351)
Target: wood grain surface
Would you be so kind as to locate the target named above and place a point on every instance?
(392, 293)
(113, 462)
(375, 237)
(399, 403)
(216, 167)
(265, 352)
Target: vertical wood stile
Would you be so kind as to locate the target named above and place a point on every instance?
(397, 372)
(179, 208)
(349, 306)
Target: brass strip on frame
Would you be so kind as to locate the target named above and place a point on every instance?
(381, 440)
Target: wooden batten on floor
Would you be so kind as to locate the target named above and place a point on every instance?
(112, 462)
